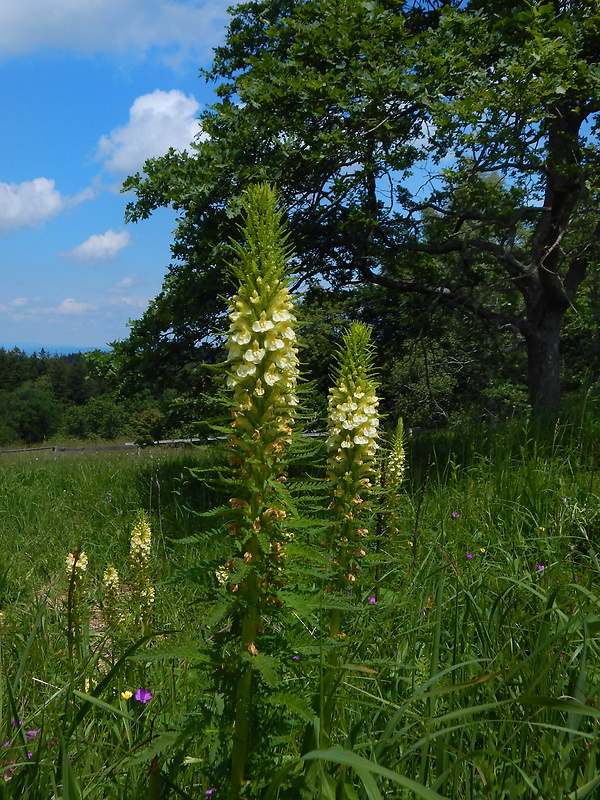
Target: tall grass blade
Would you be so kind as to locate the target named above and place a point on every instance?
(71, 790)
(585, 791)
(337, 755)
(26, 652)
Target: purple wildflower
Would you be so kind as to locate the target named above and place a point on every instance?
(455, 514)
(143, 695)
(372, 599)
(469, 555)
(32, 734)
(540, 567)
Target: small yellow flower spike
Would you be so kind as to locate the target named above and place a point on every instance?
(127, 694)
(141, 540)
(110, 579)
(141, 590)
(482, 549)
(222, 575)
(411, 544)
(353, 422)
(111, 611)
(396, 463)
(79, 564)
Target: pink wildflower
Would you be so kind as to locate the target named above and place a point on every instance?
(143, 695)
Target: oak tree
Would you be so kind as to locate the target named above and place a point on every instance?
(441, 149)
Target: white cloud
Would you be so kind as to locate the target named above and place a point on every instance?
(118, 293)
(100, 246)
(32, 203)
(157, 121)
(126, 283)
(20, 307)
(177, 27)
(131, 301)
(28, 204)
(72, 307)
(28, 311)
(89, 193)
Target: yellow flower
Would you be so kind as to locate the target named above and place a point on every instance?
(141, 592)
(141, 540)
(261, 318)
(352, 406)
(482, 549)
(76, 562)
(222, 576)
(127, 694)
(111, 579)
(397, 459)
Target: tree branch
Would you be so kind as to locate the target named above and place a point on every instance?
(442, 293)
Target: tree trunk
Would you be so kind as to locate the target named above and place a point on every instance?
(543, 361)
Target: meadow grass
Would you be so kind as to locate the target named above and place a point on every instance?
(470, 667)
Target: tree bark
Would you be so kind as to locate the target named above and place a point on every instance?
(542, 336)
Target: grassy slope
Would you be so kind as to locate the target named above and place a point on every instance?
(488, 599)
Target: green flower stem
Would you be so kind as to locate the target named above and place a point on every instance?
(241, 734)
(243, 700)
(393, 467)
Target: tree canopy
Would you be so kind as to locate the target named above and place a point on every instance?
(446, 150)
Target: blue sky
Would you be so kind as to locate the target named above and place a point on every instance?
(88, 90)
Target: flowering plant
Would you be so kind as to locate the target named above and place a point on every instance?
(141, 588)
(262, 371)
(76, 567)
(352, 443)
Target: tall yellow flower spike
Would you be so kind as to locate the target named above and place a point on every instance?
(262, 367)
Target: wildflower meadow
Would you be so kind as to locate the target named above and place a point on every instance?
(362, 614)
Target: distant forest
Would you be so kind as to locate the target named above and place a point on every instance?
(45, 396)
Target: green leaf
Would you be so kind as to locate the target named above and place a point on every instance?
(337, 755)
(582, 792)
(266, 666)
(95, 701)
